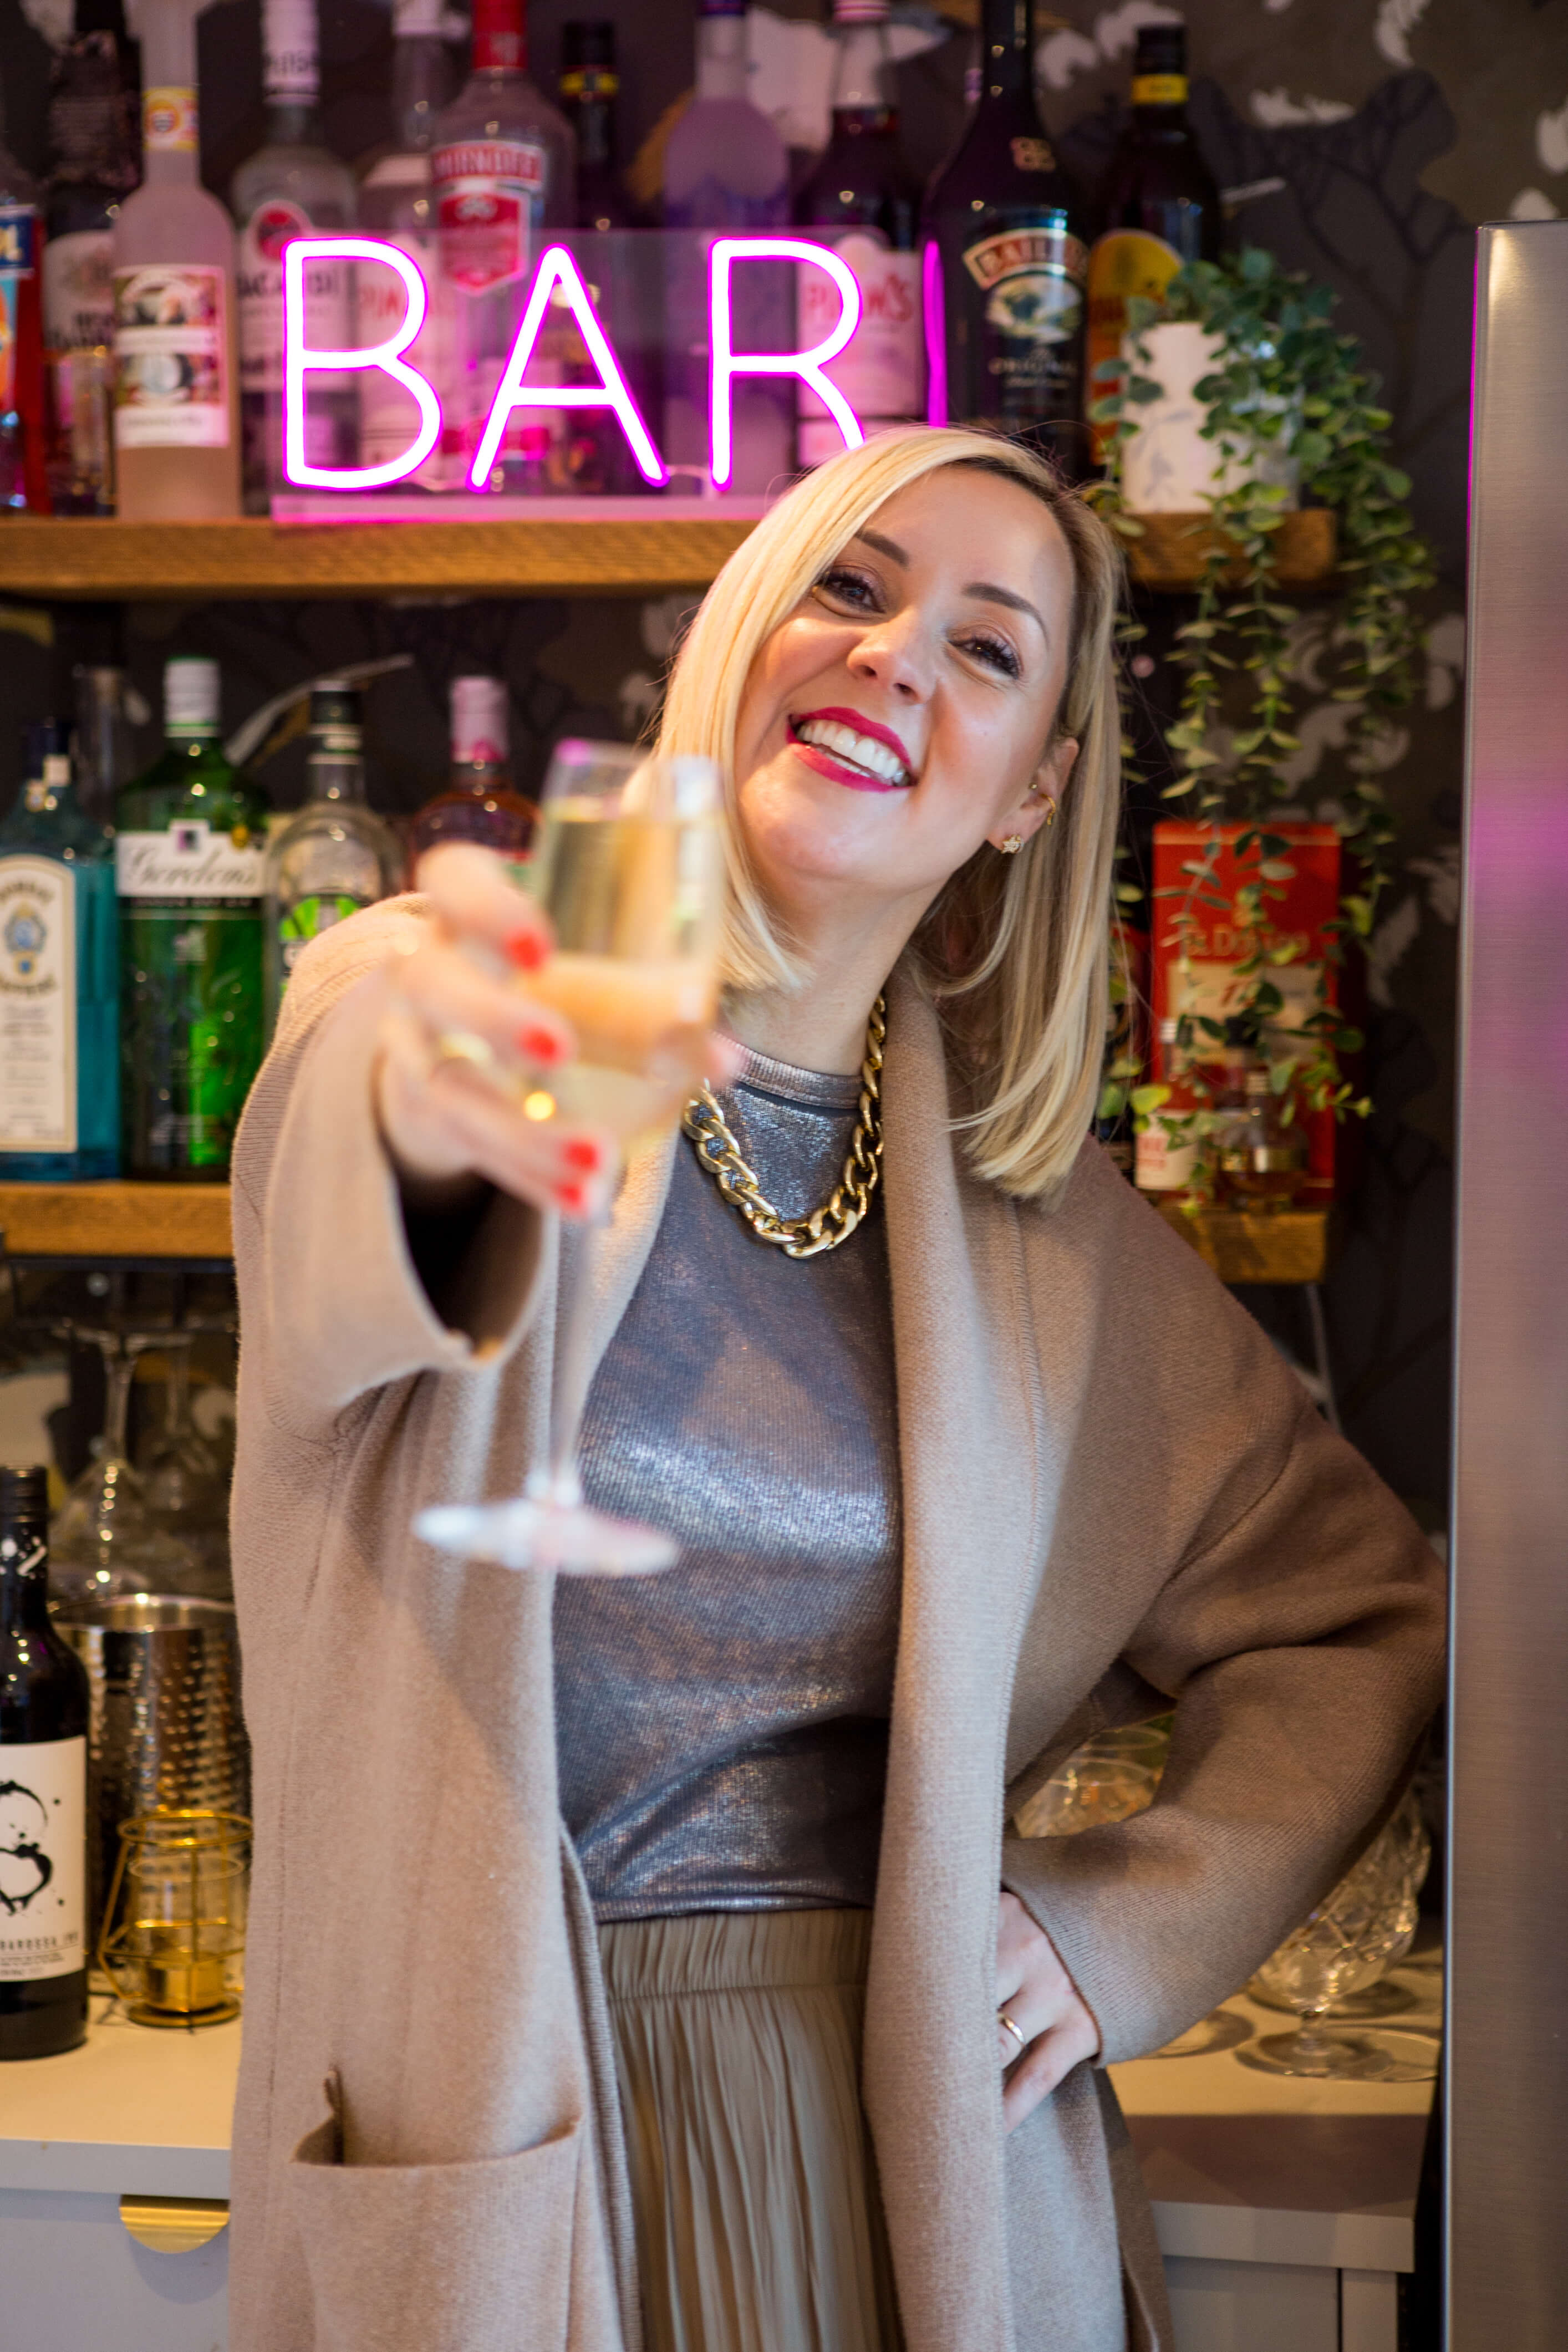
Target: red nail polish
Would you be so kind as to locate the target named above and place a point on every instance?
(581, 1153)
(570, 1196)
(527, 950)
(541, 1044)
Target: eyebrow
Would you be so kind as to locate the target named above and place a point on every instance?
(983, 591)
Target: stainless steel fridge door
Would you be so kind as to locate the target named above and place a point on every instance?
(1508, 2003)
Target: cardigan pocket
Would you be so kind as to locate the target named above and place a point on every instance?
(436, 2257)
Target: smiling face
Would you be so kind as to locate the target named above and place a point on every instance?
(899, 716)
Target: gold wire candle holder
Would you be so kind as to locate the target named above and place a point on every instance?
(173, 1942)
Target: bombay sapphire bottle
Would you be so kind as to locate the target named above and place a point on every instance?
(59, 1068)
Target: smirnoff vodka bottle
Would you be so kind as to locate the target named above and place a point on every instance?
(504, 170)
(176, 423)
(292, 186)
(861, 199)
(397, 204)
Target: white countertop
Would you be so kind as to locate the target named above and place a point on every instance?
(138, 2110)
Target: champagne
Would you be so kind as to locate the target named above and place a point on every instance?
(634, 903)
(43, 1792)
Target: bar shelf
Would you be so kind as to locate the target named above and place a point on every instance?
(145, 1221)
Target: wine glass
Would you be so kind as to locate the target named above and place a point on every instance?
(629, 869)
(187, 1485)
(1359, 1930)
(104, 1542)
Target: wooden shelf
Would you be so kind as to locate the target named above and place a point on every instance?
(1170, 549)
(72, 556)
(1289, 1246)
(115, 1220)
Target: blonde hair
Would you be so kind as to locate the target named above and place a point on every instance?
(1014, 949)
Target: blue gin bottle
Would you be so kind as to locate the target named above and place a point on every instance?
(59, 973)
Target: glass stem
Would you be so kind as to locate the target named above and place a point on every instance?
(177, 1397)
(574, 1326)
(120, 1371)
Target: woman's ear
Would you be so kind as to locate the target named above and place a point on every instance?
(1038, 805)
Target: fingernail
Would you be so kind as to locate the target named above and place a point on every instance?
(527, 950)
(572, 1195)
(541, 1044)
(583, 1153)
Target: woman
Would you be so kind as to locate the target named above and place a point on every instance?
(1003, 1465)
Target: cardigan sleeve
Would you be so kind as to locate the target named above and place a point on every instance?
(332, 1303)
(1300, 1631)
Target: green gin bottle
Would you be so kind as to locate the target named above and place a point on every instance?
(189, 855)
(59, 1076)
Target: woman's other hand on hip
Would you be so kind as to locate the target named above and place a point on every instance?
(1051, 2026)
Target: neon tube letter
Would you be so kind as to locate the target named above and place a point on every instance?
(557, 268)
(299, 361)
(726, 363)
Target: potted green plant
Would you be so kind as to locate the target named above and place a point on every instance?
(1287, 409)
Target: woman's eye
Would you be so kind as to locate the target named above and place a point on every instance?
(847, 587)
(996, 652)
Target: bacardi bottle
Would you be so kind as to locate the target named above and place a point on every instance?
(861, 199)
(1010, 261)
(292, 186)
(479, 802)
(189, 868)
(504, 170)
(95, 166)
(59, 1075)
(335, 856)
(397, 204)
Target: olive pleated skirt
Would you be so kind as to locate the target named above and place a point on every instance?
(759, 2226)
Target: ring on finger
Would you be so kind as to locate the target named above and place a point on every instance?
(1010, 2025)
(460, 1045)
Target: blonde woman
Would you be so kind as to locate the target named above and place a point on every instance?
(651, 1963)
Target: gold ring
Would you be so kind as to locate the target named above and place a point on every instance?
(1019, 2036)
(461, 1046)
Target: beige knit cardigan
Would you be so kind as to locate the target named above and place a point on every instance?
(1114, 1495)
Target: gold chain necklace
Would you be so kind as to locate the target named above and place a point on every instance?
(717, 1151)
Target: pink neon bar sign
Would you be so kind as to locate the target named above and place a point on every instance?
(557, 279)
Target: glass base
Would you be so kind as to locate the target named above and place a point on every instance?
(1376, 2001)
(1222, 2031)
(1315, 2056)
(560, 1538)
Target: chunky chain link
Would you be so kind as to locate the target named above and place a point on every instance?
(717, 1151)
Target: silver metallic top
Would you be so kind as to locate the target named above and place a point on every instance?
(723, 1728)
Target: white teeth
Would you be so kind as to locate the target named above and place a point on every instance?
(861, 750)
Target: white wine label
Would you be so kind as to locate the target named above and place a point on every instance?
(327, 310)
(43, 1859)
(881, 373)
(171, 359)
(37, 1006)
(79, 291)
(489, 195)
(189, 861)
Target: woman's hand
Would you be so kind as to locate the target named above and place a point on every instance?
(1036, 1992)
(463, 1039)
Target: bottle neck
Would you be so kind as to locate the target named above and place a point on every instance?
(721, 56)
(293, 120)
(1007, 50)
(418, 87)
(501, 39)
(24, 1577)
(334, 778)
(169, 131)
(588, 103)
(189, 738)
(862, 77)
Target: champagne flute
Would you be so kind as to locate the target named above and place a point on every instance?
(629, 868)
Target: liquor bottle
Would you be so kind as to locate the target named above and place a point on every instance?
(1160, 206)
(188, 865)
(589, 85)
(24, 484)
(396, 204)
(95, 166)
(479, 802)
(292, 186)
(861, 199)
(335, 856)
(725, 169)
(1006, 349)
(43, 1792)
(176, 420)
(59, 1079)
(504, 168)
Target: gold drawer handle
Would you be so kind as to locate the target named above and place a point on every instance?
(175, 2225)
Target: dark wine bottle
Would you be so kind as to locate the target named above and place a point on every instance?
(1005, 262)
(1159, 206)
(589, 85)
(43, 1792)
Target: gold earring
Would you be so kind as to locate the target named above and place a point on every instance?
(1012, 845)
(1050, 810)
